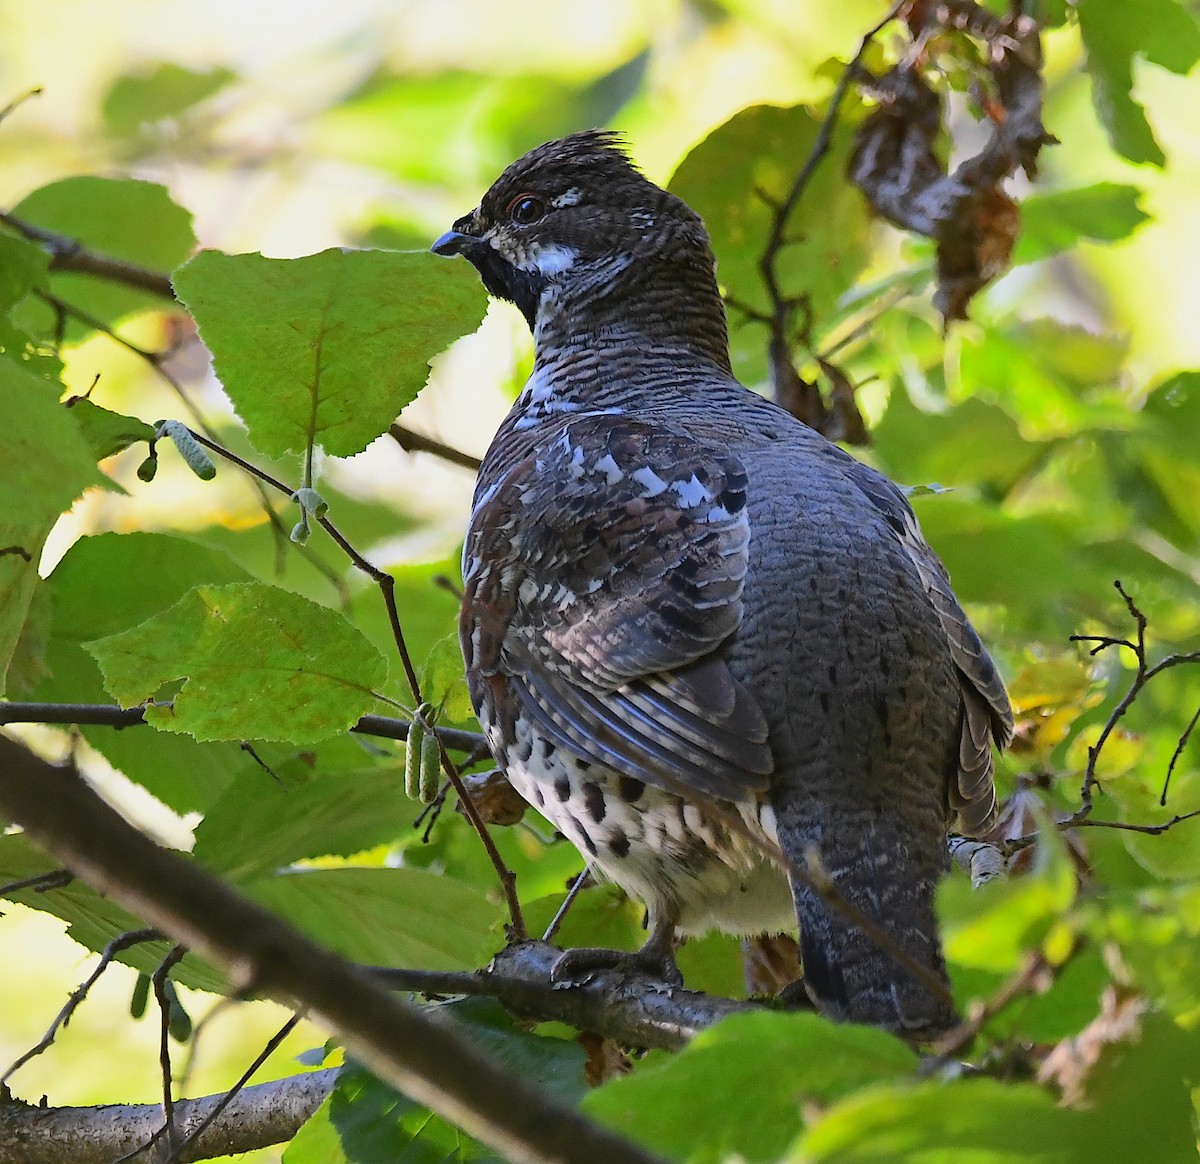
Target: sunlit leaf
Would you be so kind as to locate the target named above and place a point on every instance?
(1054, 222)
(386, 917)
(122, 218)
(981, 1120)
(161, 91)
(258, 663)
(735, 176)
(326, 349)
(45, 464)
(107, 432)
(106, 584)
(1114, 33)
(444, 681)
(260, 825)
(93, 919)
(23, 265)
(714, 1099)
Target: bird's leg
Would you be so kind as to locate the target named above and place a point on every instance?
(656, 958)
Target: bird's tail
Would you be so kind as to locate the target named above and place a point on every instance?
(868, 934)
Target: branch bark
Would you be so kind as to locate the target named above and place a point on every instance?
(425, 1058)
(69, 254)
(259, 1116)
(110, 715)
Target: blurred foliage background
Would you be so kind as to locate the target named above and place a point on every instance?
(1062, 422)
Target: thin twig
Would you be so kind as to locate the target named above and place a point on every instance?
(387, 587)
(118, 944)
(1142, 676)
(69, 254)
(1183, 739)
(568, 901)
(1016, 844)
(18, 101)
(415, 442)
(1152, 830)
(272, 1045)
(42, 883)
(782, 211)
(159, 980)
(110, 715)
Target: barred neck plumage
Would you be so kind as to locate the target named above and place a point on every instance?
(639, 310)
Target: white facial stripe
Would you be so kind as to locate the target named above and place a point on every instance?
(551, 259)
(571, 198)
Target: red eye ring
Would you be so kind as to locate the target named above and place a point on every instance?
(526, 209)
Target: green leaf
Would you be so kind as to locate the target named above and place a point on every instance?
(108, 583)
(156, 93)
(317, 1141)
(364, 1121)
(969, 444)
(1165, 32)
(1050, 223)
(715, 1099)
(386, 917)
(94, 920)
(123, 218)
(259, 663)
(762, 149)
(444, 680)
(460, 128)
(45, 464)
(983, 1121)
(259, 825)
(1041, 370)
(23, 266)
(326, 349)
(107, 432)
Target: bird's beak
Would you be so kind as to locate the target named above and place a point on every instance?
(453, 242)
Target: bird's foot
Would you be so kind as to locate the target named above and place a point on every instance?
(574, 967)
(795, 996)
(656, 959)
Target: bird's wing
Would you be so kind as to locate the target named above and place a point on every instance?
(987, 713)
(602, 574)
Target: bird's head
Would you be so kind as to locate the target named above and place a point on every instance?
(571, 217)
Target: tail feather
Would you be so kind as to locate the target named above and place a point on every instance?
(851, 974)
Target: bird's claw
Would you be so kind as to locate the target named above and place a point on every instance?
(575, 967)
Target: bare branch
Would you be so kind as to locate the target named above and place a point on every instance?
(191, 1137)
(1183, 739)
(1144, 673)
(426, 1059)
(39, 884)
(69, 254)
(257, 1117)
(629, 1007)
(415, 442)
(110, 715)
(117, 945)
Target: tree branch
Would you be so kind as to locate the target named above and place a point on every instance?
(415, 442)
(110, 715)
(259, 1116)
(427, 1059)
(627, 1007)
(69, 254)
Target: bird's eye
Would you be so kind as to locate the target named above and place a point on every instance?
(525, 209)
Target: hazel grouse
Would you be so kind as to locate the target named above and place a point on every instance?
(709, 645)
